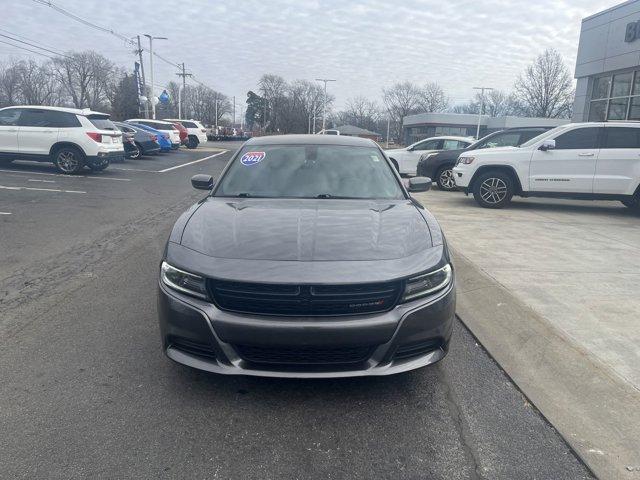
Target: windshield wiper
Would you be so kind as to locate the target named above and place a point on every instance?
(341, 197)
(243, 194)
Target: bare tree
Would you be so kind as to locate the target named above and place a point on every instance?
(401, 99)
(360, 112)
(545, 88)
(84, 77)
(432, 98)
(496, 103)
(9, 84)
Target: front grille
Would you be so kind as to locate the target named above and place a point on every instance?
(304, 355)
(191, 347)
(304, 300)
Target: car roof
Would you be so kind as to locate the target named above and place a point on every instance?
(75, 111)
(135, 120)
(304, 139)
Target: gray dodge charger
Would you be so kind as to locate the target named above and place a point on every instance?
(307, 258)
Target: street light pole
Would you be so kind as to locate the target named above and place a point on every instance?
(151, 38)
(324, 107)
(482, 89)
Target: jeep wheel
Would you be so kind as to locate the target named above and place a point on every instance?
(493, 189)
(68, 160)
(444, 179)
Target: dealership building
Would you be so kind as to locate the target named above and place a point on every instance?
(608, 65)
(425, 125)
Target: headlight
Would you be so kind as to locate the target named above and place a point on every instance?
(466, 160)
(423, 285)
(183, 281)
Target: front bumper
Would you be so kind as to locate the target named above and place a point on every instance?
(412, 335)
(462, 177)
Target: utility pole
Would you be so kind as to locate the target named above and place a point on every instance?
(482, 89)
(184, 76)
(264, 113)
(216, 113)
(324, 108)
(388, 128)
(144, 81)
(151, 39)
(234, 112)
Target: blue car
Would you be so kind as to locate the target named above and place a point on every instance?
(162, 137)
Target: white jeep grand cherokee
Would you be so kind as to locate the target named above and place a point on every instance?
(595, 161)
(68, 137)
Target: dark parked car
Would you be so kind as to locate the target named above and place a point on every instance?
(438, 165)
(308, 258)
(146, 142)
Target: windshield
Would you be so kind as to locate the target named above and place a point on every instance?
(551, 133)
(310, 171)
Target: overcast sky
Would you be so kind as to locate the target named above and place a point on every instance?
(364, 45)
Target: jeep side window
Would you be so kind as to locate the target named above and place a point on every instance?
(578, 139)
(621, 137)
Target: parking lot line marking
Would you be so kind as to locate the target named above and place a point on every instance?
(132, 170)
(40, 189)
(191, 163)
(38, 180)
(5, 213)
(66, 176)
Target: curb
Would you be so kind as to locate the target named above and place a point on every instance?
(596, 412)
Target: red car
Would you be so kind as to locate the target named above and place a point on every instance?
(184, 133)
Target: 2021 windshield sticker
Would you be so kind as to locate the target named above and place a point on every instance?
(251, 158)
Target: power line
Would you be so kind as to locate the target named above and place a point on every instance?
(28, 50)
(33, 45)
(129, 41)
(122, 37)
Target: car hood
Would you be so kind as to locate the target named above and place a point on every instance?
(306, 230)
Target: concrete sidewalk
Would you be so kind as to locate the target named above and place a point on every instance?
(550, 288)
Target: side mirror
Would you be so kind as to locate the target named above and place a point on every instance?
(419, 184)
(547, 145)
(202, 182)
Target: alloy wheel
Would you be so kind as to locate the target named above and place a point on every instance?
(67, 161)
(493, 190)
(446, 179)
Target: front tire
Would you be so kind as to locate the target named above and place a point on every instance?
(493, 189)
(69, 160)
(445, 180)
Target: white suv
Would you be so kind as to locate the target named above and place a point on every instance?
(163, 126)
(197, 132)
(406, 159)
(595, 161)
(68, 137)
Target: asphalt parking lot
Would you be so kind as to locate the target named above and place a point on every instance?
(87, 392)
